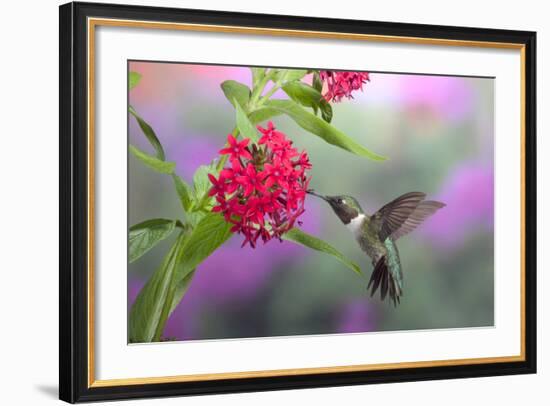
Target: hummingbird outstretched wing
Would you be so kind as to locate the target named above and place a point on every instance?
(424, 210)
(404, 214)
(394, 214)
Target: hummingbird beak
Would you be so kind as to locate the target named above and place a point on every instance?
(311, 192)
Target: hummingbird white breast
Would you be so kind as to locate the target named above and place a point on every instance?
(355, 225)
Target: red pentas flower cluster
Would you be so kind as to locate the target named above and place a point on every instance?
(262, 191)
(342, 84)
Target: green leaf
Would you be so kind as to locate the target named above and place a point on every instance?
(202, 184)
(149, 133)
(326, 111)
(184, 191)
(262, 114)
(181, 289)
(210, 233)
(308, 96)
(152, 162)
(234, 90)
(322, 129)
(304, 94)
(144, 236)
(317, 83)
(153, 303)
(257, 75)
(133, 79)
(307, 240)
(283, 76)
(244, 125)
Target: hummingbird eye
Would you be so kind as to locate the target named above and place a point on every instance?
(341, 201)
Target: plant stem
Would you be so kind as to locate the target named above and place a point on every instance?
(257, 91)
(275, 87)
(183, 226)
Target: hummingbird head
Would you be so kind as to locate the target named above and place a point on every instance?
(345, 207)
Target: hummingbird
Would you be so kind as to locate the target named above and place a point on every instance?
(377, 234)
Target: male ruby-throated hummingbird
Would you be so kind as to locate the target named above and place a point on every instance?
(377, 234)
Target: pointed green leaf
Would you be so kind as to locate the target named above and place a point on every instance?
(303, 93)
(210, 233)
(152, 162)
(321, 128)
(181, 289)
(149, 133)
(307, 240)
(244, 125)
(262, 114)
(234, 90)
(150, 311)
(133, 79)
(308, 96)
(184, 191)
(144, 236)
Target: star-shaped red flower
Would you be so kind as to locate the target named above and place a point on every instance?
(251, 180)
(236, 149)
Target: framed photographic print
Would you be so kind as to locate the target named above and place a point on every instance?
(256, 202)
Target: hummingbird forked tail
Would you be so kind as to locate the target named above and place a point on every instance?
(387, 279)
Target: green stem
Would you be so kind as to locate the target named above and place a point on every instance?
(257, 91)
(183, 226)
(275, 87)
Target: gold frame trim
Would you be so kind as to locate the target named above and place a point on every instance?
(94, 22)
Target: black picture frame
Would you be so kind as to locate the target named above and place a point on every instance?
(74, 385)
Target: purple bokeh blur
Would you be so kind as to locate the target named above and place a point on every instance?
(469, 195)
(356, 316)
